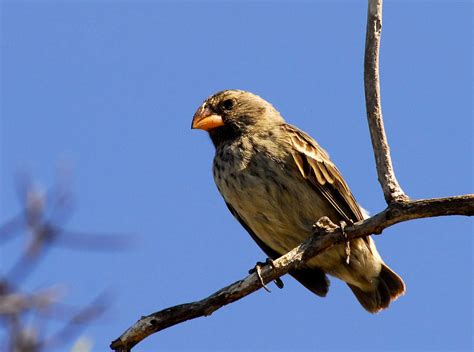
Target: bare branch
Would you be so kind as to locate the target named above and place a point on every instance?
(391, 189)
(40, 219)
(78, 321)
(326, 235)
(17, 303)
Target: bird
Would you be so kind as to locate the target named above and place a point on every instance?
(277, 182)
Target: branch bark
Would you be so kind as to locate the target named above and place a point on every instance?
(390, 187)
(326, 234)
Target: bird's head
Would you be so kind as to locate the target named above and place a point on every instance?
(232, 113)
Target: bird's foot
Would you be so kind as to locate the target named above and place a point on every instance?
(279, 283)
(258, 270)
(347, 244)
(324, 224)
(267, 261)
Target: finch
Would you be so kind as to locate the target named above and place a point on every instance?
(277, 182)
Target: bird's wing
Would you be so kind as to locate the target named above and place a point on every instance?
(272, 254)
(313, 279)
(315, 166)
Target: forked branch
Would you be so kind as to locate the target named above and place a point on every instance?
(326, 234)
(390, 187)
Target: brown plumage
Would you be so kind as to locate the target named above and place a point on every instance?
(277, 182)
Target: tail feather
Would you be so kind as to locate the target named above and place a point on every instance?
(389, 287)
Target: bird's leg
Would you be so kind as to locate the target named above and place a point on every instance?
(253, 270)
(258, 270)
(278, 281)
(347, 244)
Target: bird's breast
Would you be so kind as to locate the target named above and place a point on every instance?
(271, 198)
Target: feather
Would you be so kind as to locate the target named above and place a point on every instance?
(326, 178)
(317, 172)
(299, 162)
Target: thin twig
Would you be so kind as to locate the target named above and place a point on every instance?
(19, 311)
(78, 321)
(391, 189)
(325, 237)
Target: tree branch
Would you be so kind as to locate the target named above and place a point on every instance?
(391, 189)
(326, 234)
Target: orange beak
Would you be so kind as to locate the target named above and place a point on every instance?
(205, 119)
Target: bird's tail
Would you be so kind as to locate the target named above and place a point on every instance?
(388, 287)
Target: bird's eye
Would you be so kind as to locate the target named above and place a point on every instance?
(227, 104)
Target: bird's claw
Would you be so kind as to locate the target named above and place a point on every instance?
(269, 261)
(258, 270)
(347, 245)
(254, 269)
(279, 283)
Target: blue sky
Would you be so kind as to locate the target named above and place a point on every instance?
(110, 89)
